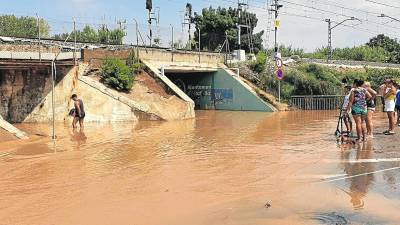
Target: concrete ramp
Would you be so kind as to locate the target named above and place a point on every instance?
(13, 130)
(156, 71)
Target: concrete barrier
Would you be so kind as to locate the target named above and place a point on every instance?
(13, 130)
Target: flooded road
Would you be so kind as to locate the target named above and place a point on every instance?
(236, 168)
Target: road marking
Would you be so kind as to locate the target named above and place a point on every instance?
(364, 160)
(358, 175)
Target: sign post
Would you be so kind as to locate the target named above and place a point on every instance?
(279, 75)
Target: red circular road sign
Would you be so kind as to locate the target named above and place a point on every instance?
(279, 74)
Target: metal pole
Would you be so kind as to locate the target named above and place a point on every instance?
(329, 39)
(199, 45)
(137, 40)
(74, 41)
(172, 42)
(40, 42)
(53, 75)
(276, 45)
(279, 90)
(150, 28)
(239, 39)
(276, 27)
(190, 34)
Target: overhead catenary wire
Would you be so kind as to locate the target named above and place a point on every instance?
(383, 4)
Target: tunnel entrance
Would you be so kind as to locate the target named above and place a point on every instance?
(203, 88)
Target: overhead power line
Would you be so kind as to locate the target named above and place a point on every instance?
(383, 4)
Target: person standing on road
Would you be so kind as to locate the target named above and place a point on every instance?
(370, 108)
(358, 106)
(79, 113)
(346, 113)
(398, 104)
(390, 104)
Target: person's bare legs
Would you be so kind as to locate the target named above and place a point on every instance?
(359, 129)
(391, 121)
(370, 125)
(81, 123)
(363, 126)
(75, 121)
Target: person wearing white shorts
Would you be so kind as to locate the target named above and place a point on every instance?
(390, 105)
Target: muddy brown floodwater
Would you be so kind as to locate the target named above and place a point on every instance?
(236, 168)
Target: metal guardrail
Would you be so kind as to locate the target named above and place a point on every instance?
(324, 102)
(317, 102)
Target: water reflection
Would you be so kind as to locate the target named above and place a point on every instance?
(79, 137)
(358, 186)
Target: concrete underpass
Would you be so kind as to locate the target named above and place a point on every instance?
(217, 89)
(204, 80)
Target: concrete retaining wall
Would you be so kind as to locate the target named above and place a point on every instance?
(99, 106)
(96, 56)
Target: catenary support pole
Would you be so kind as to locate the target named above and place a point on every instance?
(39, 38)
(53, 75)
(74, 42)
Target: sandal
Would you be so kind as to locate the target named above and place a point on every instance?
(386, 132)
(390, 133)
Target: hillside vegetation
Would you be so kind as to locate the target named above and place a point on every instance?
(313, 79)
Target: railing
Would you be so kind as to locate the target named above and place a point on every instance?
(323, 102)
(317, 102)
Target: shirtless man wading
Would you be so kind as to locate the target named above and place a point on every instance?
(79, 114)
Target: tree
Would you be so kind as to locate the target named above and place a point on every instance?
(390, 45)
(25, 26)
(88, 34)
(218, 24)
(116, 36)
(103, 35)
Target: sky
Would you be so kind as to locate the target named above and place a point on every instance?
(302, 21)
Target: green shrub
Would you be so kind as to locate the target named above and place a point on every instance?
(116, 74)
(134, 63)
(259, 65)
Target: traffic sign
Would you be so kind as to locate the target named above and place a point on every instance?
(280, 74)
(279, 63)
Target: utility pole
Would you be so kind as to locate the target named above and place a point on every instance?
(122, 27)
(239, 25)
(39, 38)
(275, 8)
(188, 19)
(329, 38)
(330, 28)
(149, 7)
(137, 39)
(199, 44)
(172, 42)
(74, 41)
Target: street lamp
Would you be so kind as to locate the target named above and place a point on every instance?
(392, 18)
(330, 28)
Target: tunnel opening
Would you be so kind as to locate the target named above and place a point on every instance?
(203, 88)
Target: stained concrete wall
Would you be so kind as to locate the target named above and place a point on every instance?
(22, 90)
(96, 56)
(98, 106)
(190, 57)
